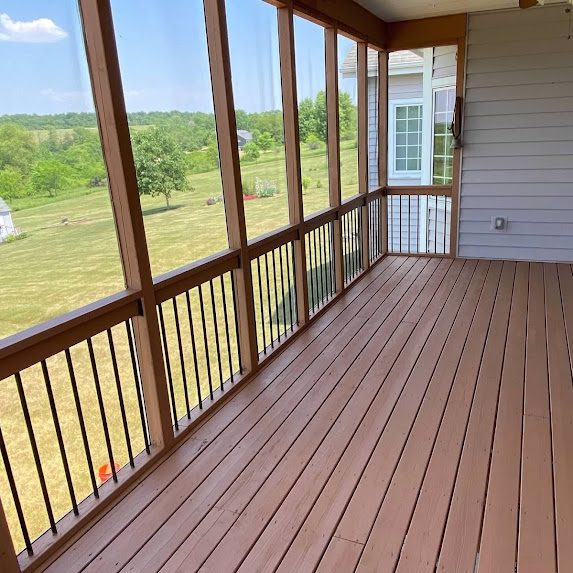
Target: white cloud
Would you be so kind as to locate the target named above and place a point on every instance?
(36, 32)
(60, 96)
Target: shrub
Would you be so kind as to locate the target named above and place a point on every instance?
(306, 183)
(248, 187)
(251, 151)
(14, 238)
(319, 184)
(312, 142)
(213, 200)
(265, 188)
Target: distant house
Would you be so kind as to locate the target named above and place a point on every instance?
(244, 137)
(421, 97)
(6, 226)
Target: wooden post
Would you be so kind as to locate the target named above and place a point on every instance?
(362, 76)
(292, 153)
(226, 124)
(456, 179)
(333, 136)
(8, 558)
(383, 143)
(114, 132)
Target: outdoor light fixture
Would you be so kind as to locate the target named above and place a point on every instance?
(456, 126)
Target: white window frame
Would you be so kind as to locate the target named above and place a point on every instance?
(438, 85)
(392, 172)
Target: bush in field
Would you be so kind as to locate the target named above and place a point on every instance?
(159, 163)
(319, 184)
(50, 176)
(265, 188)
(11, 183)
(306, 183)
(312, 142)
(251, 151)
(265, 141)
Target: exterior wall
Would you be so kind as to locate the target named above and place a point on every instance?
(445, 62)
(518, 136)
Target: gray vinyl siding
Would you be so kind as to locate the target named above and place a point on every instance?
(518, 136)
(444, 65)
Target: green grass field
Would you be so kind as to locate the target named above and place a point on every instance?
(58, 268)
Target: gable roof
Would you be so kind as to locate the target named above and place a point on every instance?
(246, 135)
(399, 59)
(4, 206)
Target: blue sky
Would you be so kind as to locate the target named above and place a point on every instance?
(163, 56)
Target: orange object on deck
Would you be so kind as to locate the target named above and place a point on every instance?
(105, 471)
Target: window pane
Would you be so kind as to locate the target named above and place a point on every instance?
(311, 88)
(59, 248)
(424, 121)
(167, 84)
(347, 96)
(258, 104)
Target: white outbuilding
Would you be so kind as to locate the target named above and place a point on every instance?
(6, 225)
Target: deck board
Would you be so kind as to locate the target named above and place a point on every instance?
(425, 419)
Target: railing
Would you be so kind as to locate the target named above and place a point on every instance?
(84, 395)
(419, 221)
(320, 264)
(376, 232)
(352, 245)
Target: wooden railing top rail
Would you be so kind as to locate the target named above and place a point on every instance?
(270, 241)
(185, 278)
(39, 342)
(441, 190)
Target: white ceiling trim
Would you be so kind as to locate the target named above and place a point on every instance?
(396, 10)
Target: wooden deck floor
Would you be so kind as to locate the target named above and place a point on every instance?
(425, 421)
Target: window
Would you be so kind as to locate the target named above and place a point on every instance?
(407, 144)
(443, 155)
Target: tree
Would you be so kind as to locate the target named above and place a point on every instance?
(50, 176)
(347, 115)
(159, 163)
(251, 151)
(11, 183)
(306, 118)
(17, 148)
(265, 141)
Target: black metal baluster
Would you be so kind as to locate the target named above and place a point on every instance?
(332, 257)
(409, 220)
(181, 358)
(227, 336)
(101, 409)
(194, 349)
(59, 436)
(319, 287)
(81, 421)
(345, 246)
(15, 496)
(35, 452)
(168, 365)
(269, 300)
(400, 197)
(323, 262)
(309, 273)
(237, 321)
(206, 342)
(137, 380)
(262, 306)
(290, 287)
(120, 397)
(276, 295)
(294, 275)
(283, 290)
(359, 239)
(392, 222)
(354, 245)
(216, 328)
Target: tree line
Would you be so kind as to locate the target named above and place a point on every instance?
(37, 159)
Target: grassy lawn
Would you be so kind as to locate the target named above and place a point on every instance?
(58, 268)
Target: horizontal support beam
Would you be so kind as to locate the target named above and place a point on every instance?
(440, 190)
(426, 32)
(185, 278)
(38, 343)
(348, 17)
(273, 240)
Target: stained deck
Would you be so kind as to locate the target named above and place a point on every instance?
(426, 418)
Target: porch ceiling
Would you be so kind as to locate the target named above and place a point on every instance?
(366, 445)
(397, 10)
